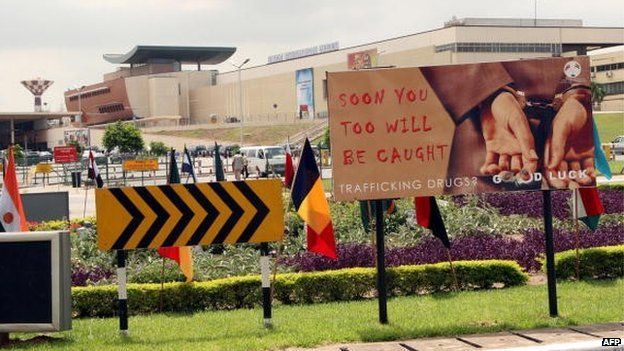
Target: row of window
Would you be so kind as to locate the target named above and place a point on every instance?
(111, 108)
(609, 67)
(89, 94)
(613, 88)
(554, 48)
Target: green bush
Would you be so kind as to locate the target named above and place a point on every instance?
(595, 263)
(294, 288)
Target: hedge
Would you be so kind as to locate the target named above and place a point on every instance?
(295, 288)
(595, 263)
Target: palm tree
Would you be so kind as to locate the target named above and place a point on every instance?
(598, 94)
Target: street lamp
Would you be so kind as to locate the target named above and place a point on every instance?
(240, 97)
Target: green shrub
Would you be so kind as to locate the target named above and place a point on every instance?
(294, 288)
(595, 263)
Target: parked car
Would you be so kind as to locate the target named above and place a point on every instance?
(265, 160)
(45, 156)
(617, 145)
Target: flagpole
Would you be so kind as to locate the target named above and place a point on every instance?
(577, 236)
(450, 260)
(381, 264)
(162, 282)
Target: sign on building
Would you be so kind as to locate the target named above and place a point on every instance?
(457, 129)
(362, 59)
(140, 165)
(305, 92)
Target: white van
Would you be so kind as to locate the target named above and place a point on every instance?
(264, 160)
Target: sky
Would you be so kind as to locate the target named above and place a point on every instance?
(63, 40)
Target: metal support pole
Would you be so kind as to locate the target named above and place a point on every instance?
(550, 255)
(381, 264)
(265, 270)
(240, 104)
(123, 295)
(4, 339)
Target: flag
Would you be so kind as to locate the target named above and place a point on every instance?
(218, 164)
(289, 170)
(428, 216)
(93, 171)
(602, 164)
(187, 165)
(182, 255)
(587, 207)
(12, 218)
(309, 199)
(387, 205)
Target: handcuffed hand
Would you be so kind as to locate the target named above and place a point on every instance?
(509, 143)
(568, 148)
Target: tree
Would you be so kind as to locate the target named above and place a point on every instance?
(77, 145)
(598, 93)
(158, 148)
(325, 139)
(124, 136)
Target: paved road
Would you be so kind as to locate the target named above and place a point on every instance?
(573, 338)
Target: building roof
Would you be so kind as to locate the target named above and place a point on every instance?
(182, 54)
(33, 116)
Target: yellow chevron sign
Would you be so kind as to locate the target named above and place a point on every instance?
(189, 214)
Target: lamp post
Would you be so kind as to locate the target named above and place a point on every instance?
(240, 97)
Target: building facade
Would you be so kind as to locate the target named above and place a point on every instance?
(607, 67)
(293, 87)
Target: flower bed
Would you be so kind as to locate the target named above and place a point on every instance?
(525, 250)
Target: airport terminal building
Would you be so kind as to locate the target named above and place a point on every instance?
(150, 85)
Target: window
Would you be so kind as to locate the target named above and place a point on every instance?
(89, 94)
(116, 107)
(613, 88)
(500, 47)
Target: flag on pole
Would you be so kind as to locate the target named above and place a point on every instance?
(289, 170)
(309, 199)
(218, 164)
(602, 164)
(428, 216)
(181, 254)
(187, 165)
(587, 207)
(12, 218)
(93, 171)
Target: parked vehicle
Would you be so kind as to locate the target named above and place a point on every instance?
(265, 160)
(617, 145)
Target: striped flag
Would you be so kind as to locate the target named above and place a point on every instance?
(428, 216)
(187, 165)
(12, 218)
(289, 171)
(309, 199)
(181, 254)
(218, 164)
(93, 172)
(587, 207)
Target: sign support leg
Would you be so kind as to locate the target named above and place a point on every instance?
(266, 284)
(123, 295)
(4, 339)
(381, 264)
(550, 255)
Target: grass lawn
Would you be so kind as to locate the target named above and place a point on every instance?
(609, 125)
(410, 317)
(254, 135)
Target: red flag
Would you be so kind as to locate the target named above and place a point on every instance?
(12, 218)
(182, 255)
(289, 171)
(428, 215)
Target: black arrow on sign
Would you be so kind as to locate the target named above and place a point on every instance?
(237, 213)
(161, 216)
(135, 214)
(261, 213)
(187, 215)
(211, 214)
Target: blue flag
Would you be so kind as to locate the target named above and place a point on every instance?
(187, 165)
(599, 156)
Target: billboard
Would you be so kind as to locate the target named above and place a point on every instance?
(362, 59)
(304, 79)
(457, 129)
(80, 135)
